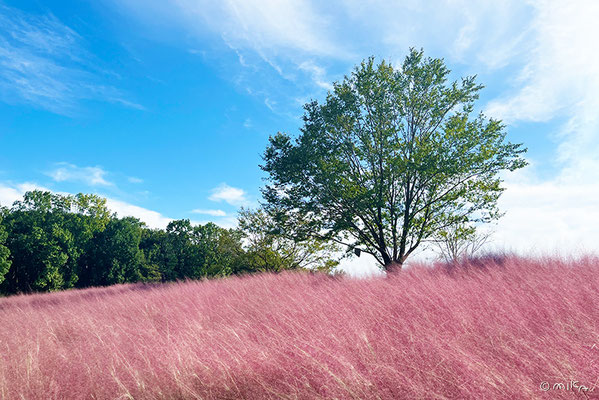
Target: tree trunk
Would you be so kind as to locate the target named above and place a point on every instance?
(393, 267)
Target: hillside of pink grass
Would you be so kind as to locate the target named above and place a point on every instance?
(471, 333)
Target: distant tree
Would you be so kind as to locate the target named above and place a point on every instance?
(184, 249)
(114, 255)
(459, 242)
(393, 156)
(43, 251)
(158, 255)
(88, 215)
(274, 247)
(221, 249)
(187, 251)
(4, 251)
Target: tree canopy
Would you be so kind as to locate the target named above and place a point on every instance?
(392, 157)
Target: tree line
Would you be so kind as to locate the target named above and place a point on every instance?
(52, 242)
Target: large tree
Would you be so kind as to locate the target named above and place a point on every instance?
(393, 156)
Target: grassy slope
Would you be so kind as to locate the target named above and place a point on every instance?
(494, 333)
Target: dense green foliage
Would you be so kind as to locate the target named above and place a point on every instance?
(46, 236)
(51, 242)
(392, 158)
(4, 252)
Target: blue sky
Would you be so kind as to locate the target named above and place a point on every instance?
(165, 107)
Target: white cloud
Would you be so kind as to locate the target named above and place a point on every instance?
(133, 179)
(485, 33)
(362, 266)
(318, 74)
(270, 104)
(560, 79)
(214, 213)
(153, 219)
(562, 70)
(305, 41)
(263, 25)
(266, 36)
(228, 194)
(44, 63)
(92, 176)
(545, 217)
(9, 193)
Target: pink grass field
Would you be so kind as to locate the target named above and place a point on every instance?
(514, 330)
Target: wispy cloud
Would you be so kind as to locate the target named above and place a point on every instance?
(560, 79)
(318, 74)
(92, 176)
(267, 37)
(266, 26)
(213, 213)
(44, 63)
(296, 48)
(270, 104)
(228, 194)
(133, 179)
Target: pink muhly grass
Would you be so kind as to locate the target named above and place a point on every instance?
(487, 329)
